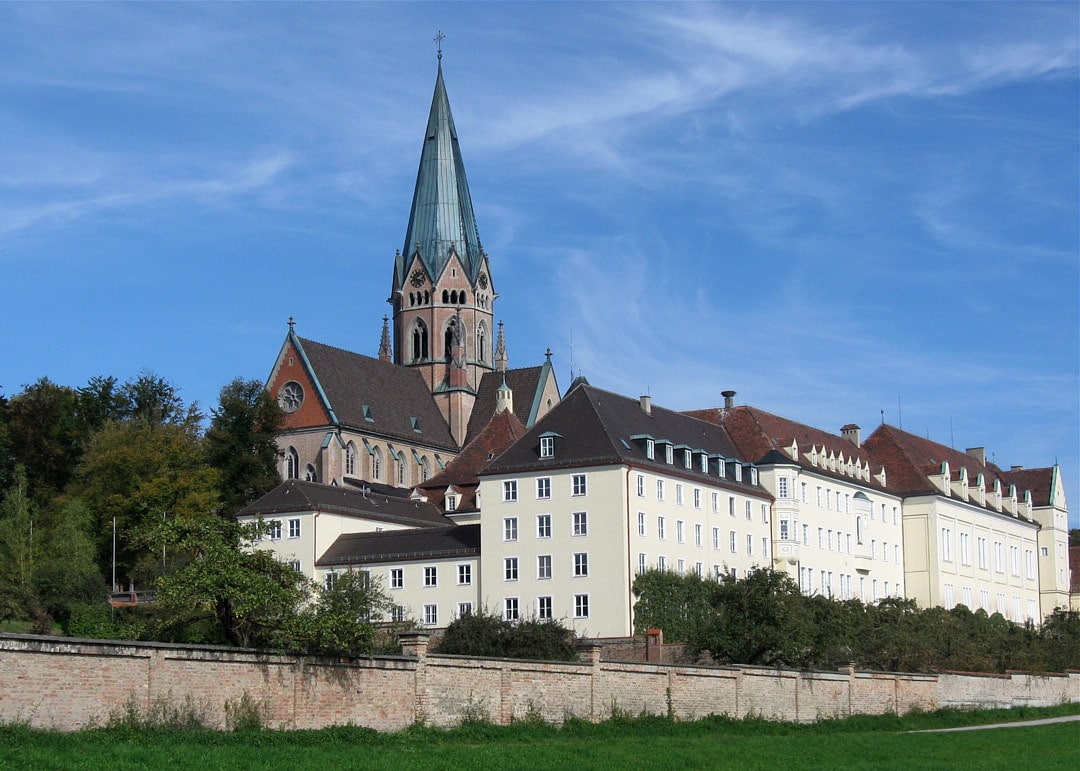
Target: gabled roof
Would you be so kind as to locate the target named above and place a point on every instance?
(460, 541)
(442, 211)
(295, 496)
(527, 384)
(765, 438)
(463, 472)
(911, 460)
(597, 427)
(375, 397)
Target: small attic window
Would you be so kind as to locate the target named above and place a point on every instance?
(451, 503)
(753, 475)
(650, 449)
(704, 463)
(721, 467)
(367, 414)
(669, 453)
(547, 447)
(688, 458)
(415, 424)
(738, 472)
(491, 456)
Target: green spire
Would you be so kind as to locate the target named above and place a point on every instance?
(442, 212)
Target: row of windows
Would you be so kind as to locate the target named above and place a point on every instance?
(511, 609)
(1001, 606)
(579, 526)
(579, 566)
(698, 530)
(828, 499)
(687, 457)
(697, 498)
(401, 475)
(420, 348)
(273, 529)
(578, 487)
(431, 576)
(842, 586)
(982, 554)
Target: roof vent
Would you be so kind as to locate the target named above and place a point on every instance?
(852, 433)
(729, 399)
(646, 404)
(1017, 468)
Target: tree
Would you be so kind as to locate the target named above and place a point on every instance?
(240, 443)
(45, 436)
(66, 572)
(17, 599)
(681, 605)
(761, 619)
(151, 399)
(340, 621)
(142, 473)
(486, 634)
(254, 598)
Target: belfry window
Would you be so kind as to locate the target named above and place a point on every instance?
(419, 341)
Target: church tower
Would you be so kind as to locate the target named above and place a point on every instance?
(442, 290)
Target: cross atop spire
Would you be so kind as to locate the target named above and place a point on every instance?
(439, 37)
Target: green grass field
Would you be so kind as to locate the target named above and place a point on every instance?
(863, 742)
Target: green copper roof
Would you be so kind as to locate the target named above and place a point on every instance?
(442, 212)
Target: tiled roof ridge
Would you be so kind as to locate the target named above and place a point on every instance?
(308, 341)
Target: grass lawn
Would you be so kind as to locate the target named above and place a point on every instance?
(879, 743)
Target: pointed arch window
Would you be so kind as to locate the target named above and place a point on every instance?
(419, 341)
(425, 469)
(402, 471)
(376, 464)
(310, 474)
(350, 459)
(292, 464)
(481, 342)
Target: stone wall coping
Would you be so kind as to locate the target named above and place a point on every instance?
(520, 663)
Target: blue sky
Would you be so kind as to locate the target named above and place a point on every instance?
(833, 209)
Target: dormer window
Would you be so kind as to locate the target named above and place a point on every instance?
(650, 449)
(704, 463)
(415, 423)
(738, 472)
(721, 467)
(549, 444)
(753, 475)
(669, 453)
(688, 459)
(451, 503)
(367, 414)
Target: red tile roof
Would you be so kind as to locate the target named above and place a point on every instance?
(462, 473)
(911, 460)
(757, 433)
(1039, 480)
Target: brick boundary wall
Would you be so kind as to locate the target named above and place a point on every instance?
(66, 683)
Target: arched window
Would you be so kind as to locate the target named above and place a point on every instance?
(402, 471)
(445, 296)
(350, 459)
(376, 464)
(419, 341)
(481, 342)
(424, 469)
(310, 475)
(292, 464)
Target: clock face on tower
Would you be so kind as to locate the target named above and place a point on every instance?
(482, 281)
(417, 277)
(290, 396)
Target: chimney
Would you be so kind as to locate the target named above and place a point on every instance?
(852, 433)
(646, 404)
(1017, 468)
(978, 453)
(729, 399)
